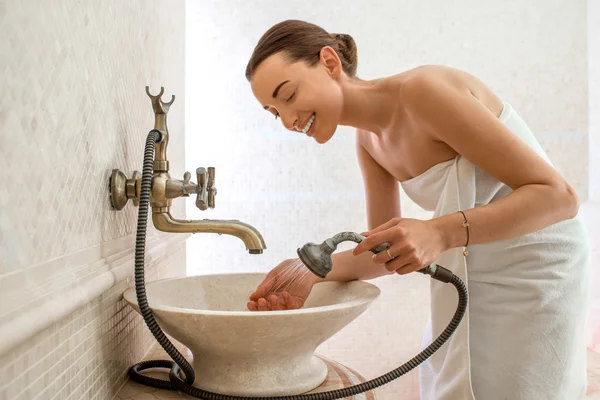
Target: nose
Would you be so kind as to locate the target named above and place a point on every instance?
(290, 120)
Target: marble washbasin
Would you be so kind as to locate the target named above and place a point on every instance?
(252, 353)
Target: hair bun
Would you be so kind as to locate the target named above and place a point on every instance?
(347, 46)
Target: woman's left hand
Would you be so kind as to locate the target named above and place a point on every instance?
(414, 244)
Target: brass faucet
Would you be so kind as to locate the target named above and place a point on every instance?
(164, 189)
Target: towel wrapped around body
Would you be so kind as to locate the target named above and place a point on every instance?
(523, 336)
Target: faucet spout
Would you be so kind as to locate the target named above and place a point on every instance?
(253, 240)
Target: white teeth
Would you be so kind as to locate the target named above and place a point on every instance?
(309, 124)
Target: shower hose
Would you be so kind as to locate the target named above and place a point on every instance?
(180, 364)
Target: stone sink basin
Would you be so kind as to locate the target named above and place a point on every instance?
(252, 353)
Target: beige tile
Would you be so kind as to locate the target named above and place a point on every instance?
(76, 91)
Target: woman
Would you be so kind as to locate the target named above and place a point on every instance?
(505, 221)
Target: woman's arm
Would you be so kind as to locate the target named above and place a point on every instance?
(383, 203)
(382, 191)
(541, 197)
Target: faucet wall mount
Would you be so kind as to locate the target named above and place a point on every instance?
(164, 189)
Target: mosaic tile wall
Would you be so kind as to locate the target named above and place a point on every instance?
(73, 108)
(86, 355)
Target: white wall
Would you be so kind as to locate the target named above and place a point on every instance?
(594, 169)
(73, 107)
(533, 54)
(593, 24)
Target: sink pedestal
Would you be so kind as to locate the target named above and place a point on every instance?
(257, 377)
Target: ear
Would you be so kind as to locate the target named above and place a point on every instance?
(330, 60)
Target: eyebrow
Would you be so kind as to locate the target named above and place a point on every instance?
(276, 91)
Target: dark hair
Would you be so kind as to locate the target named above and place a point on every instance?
(301, 40)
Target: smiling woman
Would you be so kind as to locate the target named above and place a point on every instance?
(510, 230)
(305, 98)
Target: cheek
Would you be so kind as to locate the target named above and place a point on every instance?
(330, 117)
(333, 105)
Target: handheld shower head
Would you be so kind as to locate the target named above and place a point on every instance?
(317, 257)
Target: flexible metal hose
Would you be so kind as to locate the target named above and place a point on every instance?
(185, 386)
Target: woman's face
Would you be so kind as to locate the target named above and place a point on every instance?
(307, 99)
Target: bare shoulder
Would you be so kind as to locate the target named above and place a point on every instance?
(422, 82)
(363, 138)
(428, 76)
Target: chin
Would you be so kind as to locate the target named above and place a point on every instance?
(319, 140)
(323, 137)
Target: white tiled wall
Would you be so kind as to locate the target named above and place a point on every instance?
(533, 54)
(73, 107)
(85, 355)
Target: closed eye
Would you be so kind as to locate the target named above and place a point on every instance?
(291, 97)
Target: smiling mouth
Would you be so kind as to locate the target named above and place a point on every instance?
(309, 124)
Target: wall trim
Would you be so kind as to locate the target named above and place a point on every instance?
(34, 298)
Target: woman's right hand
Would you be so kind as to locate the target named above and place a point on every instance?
(286, 287)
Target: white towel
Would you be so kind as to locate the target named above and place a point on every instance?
(523, 336)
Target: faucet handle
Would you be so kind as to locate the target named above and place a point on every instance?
(201, 199)
(186, 185)
(212, 190)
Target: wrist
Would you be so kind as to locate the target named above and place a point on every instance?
(450, 231)
(314, 279)
(309, 275)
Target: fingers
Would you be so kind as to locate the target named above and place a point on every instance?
(263, 304)
(382, 227)
(383, 257)
(274, 303)
(398, 262)
(373, 240)
(277, 303)
(292, 302)
(404, 264)
(259, 292)
(287, 300)
(408, 268)
(260, 305)
(262, 289)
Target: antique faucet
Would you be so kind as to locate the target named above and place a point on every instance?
(164, 189)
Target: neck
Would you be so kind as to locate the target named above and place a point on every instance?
(368, 105)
